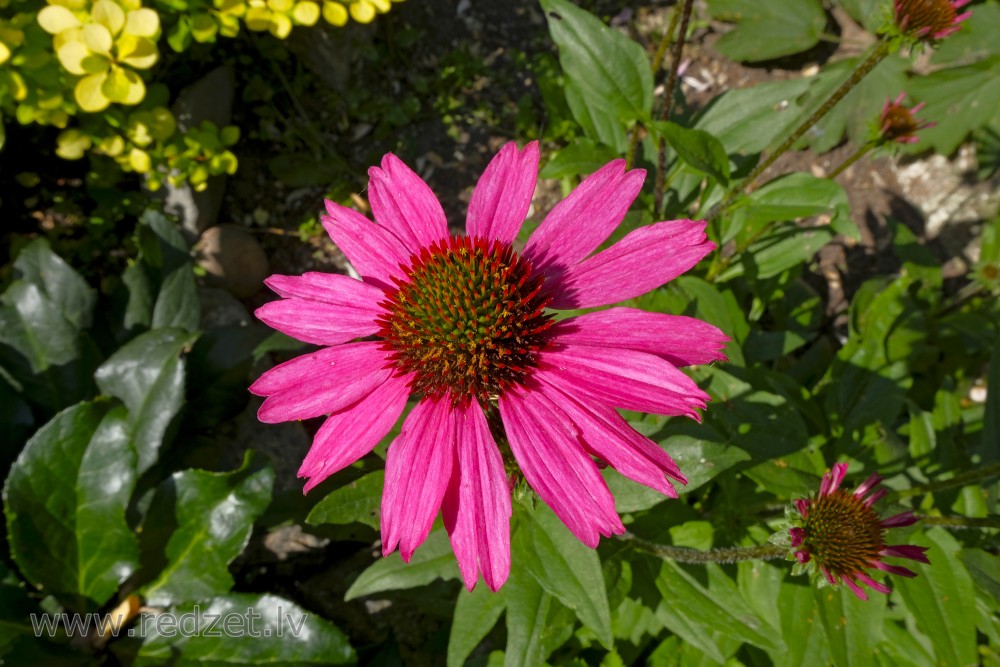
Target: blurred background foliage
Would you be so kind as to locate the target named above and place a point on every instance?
(863, 329)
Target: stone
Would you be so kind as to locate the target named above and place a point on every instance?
(233, 260)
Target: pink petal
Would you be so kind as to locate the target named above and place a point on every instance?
(683, 341)
(477, 507)
(503, 194)
(803, 507)
(894, 569)
(802, 556)
(417, 471)
(317, 322)
(832, 480)
(402, 203)
(903, 519)
(623, 378)
(375, 253)
(876, 496)
(865, 579)
(334, 288)
(352, 432)
(907, 551)
(872, 480)
(642, 261)
(606, 435)
(557, 467)
(798, 536)
(577, 225)
(857, 590)
(321, 382)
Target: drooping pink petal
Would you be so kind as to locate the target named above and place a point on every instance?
(876, 496)
(857, 590)
(894, 569)
(334, 288)
(907, 551)
(831, 480)
(376, 254)
(477, 507)
(321, 382)
(798, 536)
(623, 378)
(869, 483)
(317, 322)
(644, 260)
(606, 435)
(418, 468)
(352, 432)
(503, 194)
(907, 518)
(577, 225)
(405, 205)
(871, 583)
(683, 341)
(803, 506)
(557, 467)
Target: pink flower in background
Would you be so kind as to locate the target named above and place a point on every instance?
(930, 19)
(842, 535)
(463, 326)
(899, 124)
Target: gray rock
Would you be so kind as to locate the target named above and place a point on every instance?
(233, 260)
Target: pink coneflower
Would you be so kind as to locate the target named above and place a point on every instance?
(462, 325)
(899, 124)
(842, 535)
(930, 19)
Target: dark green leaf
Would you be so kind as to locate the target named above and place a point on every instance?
(978, 38)
(984, 568)
(240, 630)
(748, 120)
(783, 248)
(527, 608)
(991, 411)
(792, 197)
(800, 628)
(698, 149)
(610, 69)
(566, 568)
(767, 30)
(139, 304)
(65, 503)
(701, 460)
(942, 593)
(958, 102)
(707, 611)
(433, 560)
(630, 496)
(476, 613)
(147, 375)
(579, 158)
(853, 627)
(599, 122)
(65, 288)
(212, 515)
(177, 303)
(358, 501)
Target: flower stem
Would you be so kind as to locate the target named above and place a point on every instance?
(960, 522)
(958, 480)
(879, 53)
(661, 50)
(668, 103)
(857, 155)
(686, 555)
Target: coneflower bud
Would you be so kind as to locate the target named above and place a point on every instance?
(930, 19)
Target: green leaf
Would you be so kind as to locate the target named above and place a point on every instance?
(791, 197)
(784, 248)
(582, 156)
(567, 569)
(598, 121)
(630, 496)
(703, 612)
(476, 612)
(610, 69)
(65, 503)
(800, 628)
(147, 375)
(748, 120)
(958, 102)
(984, 568)
(767, 30)
(433, 560)
(698, 149)
(942, 592)
(853, 627)
(177, 302)
(701, 460)
(991, 411)
(240, 629)
(527, 609)
(358, 501)
(65, 288)
(977, 40)
(138, 311)
(213, 514)
(15, 614)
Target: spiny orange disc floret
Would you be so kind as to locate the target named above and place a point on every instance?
(927, 17)
(466, 320)
(898, 122)
(842, 533)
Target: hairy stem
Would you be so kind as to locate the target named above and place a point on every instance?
(686, 555)
(961, 479)
(668, 103)
(857, 155)
(960, 522)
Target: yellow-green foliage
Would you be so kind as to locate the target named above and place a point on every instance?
(62, 57)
